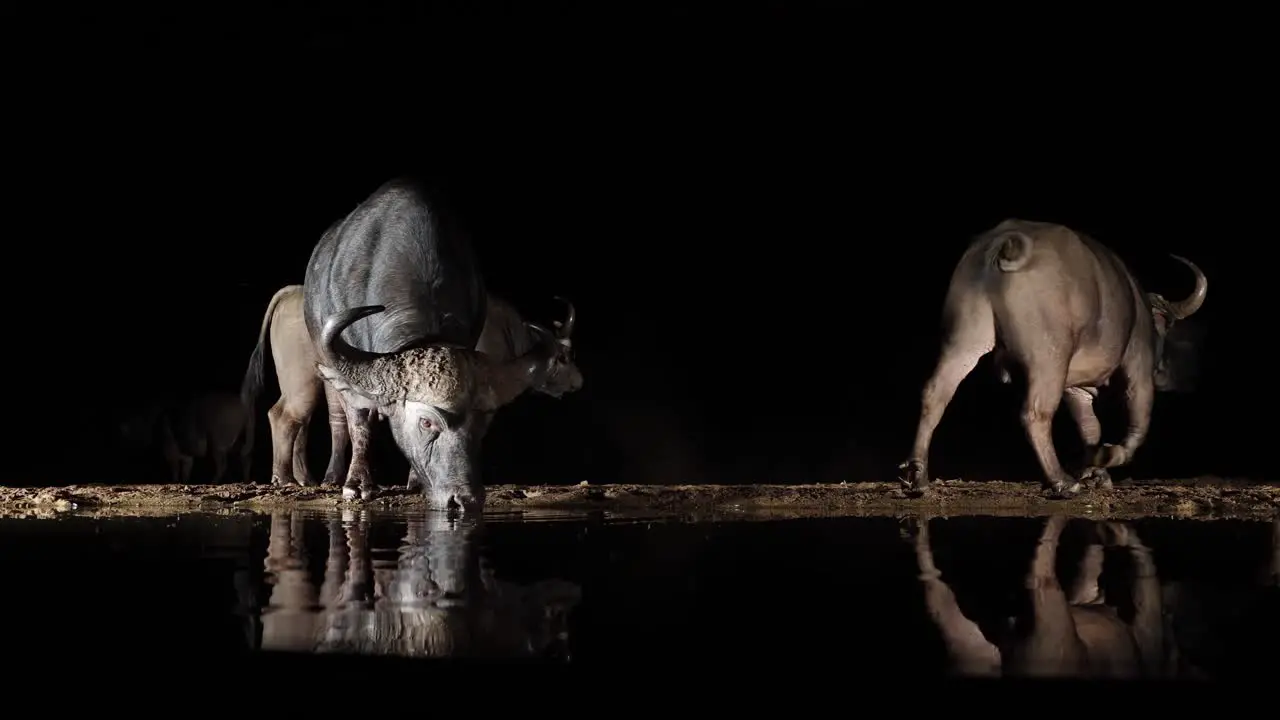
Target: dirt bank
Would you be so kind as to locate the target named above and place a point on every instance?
(1192, 498)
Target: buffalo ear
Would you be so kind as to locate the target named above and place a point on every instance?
(486, 400)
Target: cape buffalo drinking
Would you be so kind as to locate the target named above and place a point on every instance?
(399, 265)
(505, 336)
(1068, 311)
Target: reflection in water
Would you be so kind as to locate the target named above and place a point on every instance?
(664, 591)
(1076, 634)
(437, 599)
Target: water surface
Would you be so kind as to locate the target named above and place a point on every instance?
(1188, 598)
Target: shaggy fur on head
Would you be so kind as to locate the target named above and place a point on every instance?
(441, 377)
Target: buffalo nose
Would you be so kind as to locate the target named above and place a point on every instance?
(469, 504)
(462, 503)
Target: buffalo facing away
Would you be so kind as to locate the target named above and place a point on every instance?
(505, 336)
(395, 303)
(1068, 312)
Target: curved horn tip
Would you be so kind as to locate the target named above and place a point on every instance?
(350, 315)
(330, 343)
(1186, 308)
(537, 329)
(566, 328)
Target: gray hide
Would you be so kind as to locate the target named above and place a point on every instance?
(1067, 311)
(1071, 635)
(395, 303)
(438, 600)
(505, 336)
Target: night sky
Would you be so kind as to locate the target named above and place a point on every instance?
(755, 214)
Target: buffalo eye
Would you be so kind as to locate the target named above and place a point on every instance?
(426, 424)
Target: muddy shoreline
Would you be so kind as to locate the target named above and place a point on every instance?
(1206, 498)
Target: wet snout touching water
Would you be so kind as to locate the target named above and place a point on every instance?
(506, 335)
(396, 306)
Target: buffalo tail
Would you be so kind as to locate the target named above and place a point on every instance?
(252, 383)
(1014, 252)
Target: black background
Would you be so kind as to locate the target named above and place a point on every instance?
(755, 209)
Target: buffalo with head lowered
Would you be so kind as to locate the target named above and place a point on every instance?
(395, 303)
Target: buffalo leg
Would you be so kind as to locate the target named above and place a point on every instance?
(413, 481)
(300, 473)
(968, 650)
(185, 464)
(1045, 379)
(1053, 646)
(219, 460)
(359, 482)
(169, 448)
(357, 585)
(246, 463)
(1080, 402)
(973, 336)
(339, 437)
(1148, 609)
(1139, 394)
(1086, 590)
(335, 566)
(284, 432)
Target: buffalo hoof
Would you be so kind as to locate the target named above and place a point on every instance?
(915, 479)
(281, 481)
(911, 493)
(332, 479)
(1116, 534)
(1110, 456)
(1097, 478)
(350, 493)
(1062, 490)
(910, 528)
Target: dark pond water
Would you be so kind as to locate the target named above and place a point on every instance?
(1194, 598)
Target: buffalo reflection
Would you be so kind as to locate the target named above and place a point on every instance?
(1075, 635)
(436, 600)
